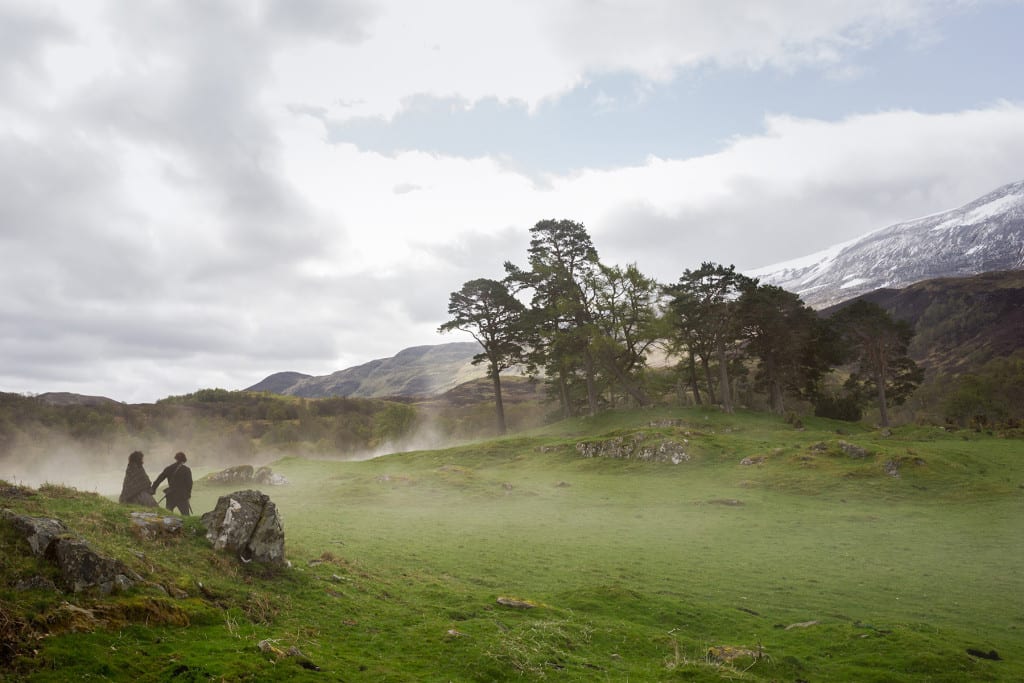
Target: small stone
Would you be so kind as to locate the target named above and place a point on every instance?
(516, 603)
(803, 624)
(853, 450)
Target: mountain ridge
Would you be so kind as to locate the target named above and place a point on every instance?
(413, 372)
(984, 235)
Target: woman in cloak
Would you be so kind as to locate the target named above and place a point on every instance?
(136, 486)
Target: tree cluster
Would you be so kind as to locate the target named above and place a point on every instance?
(589, 329)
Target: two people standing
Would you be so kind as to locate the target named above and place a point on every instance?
(138, 490)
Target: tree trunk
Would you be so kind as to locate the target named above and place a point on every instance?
(707, 378)
(563, 394)
(883, 411)
(628, 384)
(499, 405)
(723, 378)
(880, 359)
(680, 386)
(774, 388)
(588, 368)
(693, 381)
(777, 398)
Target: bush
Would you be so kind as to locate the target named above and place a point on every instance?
(846, 408)
(993, 396)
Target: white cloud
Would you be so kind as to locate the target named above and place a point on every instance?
(533, 50)
(174, 217)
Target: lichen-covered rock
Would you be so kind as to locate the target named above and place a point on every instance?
(853, 450)
(245, 474)
(36, 583)
(266, 476)
(247, 523)
(239, 474)
(636, 447)
(151, 526)
(82, 568)
(40, 532)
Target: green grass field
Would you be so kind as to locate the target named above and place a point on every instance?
(810, 565)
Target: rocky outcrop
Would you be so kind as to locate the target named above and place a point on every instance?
(150, 526)
(39, 532)
(247, 524)
(853, 450)
(636, 447)
(81, 567)
(246, 474)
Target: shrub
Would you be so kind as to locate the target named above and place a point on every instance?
(846, 408)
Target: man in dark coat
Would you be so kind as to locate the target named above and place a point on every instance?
(179, 484)
(136, 487)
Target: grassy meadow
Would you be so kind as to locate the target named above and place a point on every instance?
(811, 564)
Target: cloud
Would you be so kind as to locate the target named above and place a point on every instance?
(342, 21)
(804, 185)
(178, 213)
(661, 36)
(26, 30)
(535, 51)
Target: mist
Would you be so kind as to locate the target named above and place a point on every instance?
(57, 459)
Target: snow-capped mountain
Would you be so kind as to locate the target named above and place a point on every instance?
(983, 236)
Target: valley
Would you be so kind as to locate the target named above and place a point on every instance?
(837, 552)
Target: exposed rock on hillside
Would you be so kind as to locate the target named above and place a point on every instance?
(246, 474)
(150, 526)
(80, 566)
(247, 523)
(636, 447)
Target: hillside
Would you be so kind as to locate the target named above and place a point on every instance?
(959, 323)
(595, 549)
(279, 382)
(984, 235)
(419, 371)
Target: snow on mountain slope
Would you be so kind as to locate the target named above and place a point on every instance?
(984, 235)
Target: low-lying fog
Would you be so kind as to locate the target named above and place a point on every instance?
(59, 460)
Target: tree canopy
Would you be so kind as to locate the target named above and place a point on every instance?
(493, 317)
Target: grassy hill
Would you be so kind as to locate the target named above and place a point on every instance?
(835, 553)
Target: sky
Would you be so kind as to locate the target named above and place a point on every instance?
(200, 193)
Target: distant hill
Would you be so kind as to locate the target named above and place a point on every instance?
(419, 371)
(960, 323)
(982, 236)
(64, 398)
(279, 382)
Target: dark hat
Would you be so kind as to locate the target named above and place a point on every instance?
(180, 457)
